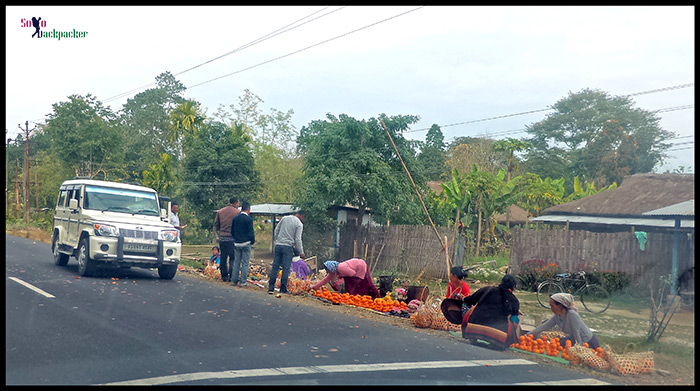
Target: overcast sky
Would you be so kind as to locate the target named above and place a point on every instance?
(458, 67)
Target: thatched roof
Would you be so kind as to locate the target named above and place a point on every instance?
(636, 194)
(518, 215)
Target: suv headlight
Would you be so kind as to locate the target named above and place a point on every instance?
(169, 236)
(105, 230)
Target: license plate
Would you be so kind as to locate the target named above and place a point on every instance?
(145, 248)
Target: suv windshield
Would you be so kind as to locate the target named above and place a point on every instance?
(120, 200)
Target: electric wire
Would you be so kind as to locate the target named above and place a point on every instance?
(306, 48)
(247, 45)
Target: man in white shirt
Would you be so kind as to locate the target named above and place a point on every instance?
(174, 219)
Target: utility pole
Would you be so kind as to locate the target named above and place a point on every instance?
(26, 170)
(7, 171)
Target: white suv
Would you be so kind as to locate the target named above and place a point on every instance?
(101, 222)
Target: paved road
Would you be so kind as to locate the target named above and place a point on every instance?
(130, 327)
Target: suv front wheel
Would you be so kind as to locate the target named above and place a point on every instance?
(86, 265)
(59, 258)
(167, 272)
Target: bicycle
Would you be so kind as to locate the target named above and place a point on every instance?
(594, 297)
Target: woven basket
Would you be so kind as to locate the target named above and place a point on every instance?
(631, 363)
(582, 355)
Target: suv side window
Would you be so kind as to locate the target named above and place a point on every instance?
(62, 198)
(76, 194)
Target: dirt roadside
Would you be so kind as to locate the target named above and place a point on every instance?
(624, 321)
(614, 322)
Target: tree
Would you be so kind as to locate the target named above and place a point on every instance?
(537, 194)
(509, 147)
(184, 118)
(161, 175)
(348, 161)
(83, 130)
(432, 155)
(147, 123)
(218, 164)
(585, 190)
(274, 129)
(278, 173)
(464, 152)
(597, 137)
(491, 194)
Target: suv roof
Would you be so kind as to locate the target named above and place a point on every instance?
(95, 182)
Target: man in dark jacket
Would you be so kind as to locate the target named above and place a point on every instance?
(222, 225)
(243, 239)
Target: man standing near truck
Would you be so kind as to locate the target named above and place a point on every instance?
(222, 226)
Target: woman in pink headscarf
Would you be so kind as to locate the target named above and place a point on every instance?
(354, 272)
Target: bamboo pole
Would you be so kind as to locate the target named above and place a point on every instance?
(444, 245)
(376, 261)
(447, 257)
(430, 262)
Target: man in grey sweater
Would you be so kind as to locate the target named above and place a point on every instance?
(287, 241)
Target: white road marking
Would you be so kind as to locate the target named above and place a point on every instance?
(32, 287)
(324, 369)
(571, 382)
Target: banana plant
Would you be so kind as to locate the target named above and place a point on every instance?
(458, 194)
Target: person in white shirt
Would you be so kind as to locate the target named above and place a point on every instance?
(174, 219)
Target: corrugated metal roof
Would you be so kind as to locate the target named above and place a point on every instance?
(273, 209)
(635, 221)
(686, 208)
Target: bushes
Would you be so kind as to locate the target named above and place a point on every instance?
(611, 281)
(534, 272)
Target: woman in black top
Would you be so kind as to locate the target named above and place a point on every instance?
(493, 317)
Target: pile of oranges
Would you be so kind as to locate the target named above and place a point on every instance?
(549, 346)
(543, 345)
(384, 304)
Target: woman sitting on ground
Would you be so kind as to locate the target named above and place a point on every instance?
(493, 316)
(567, 318)
(457, 288)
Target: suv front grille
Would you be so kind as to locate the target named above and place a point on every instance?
(138, 234)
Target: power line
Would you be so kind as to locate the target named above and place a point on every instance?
(249, 44)
(547, 109)
(308, 47)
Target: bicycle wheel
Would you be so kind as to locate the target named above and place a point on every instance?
(595, 298)
(545, 290)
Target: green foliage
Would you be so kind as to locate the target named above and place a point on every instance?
(535, 271)
(580, 191)
(509, 147)
(432, 155)
(274, 129)
(147, 122)
(611, 281)
(161, 175)
(278, 173)
(82, 129)
(597, 137)
(348, 161)
(537, 194)
(218, 165)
